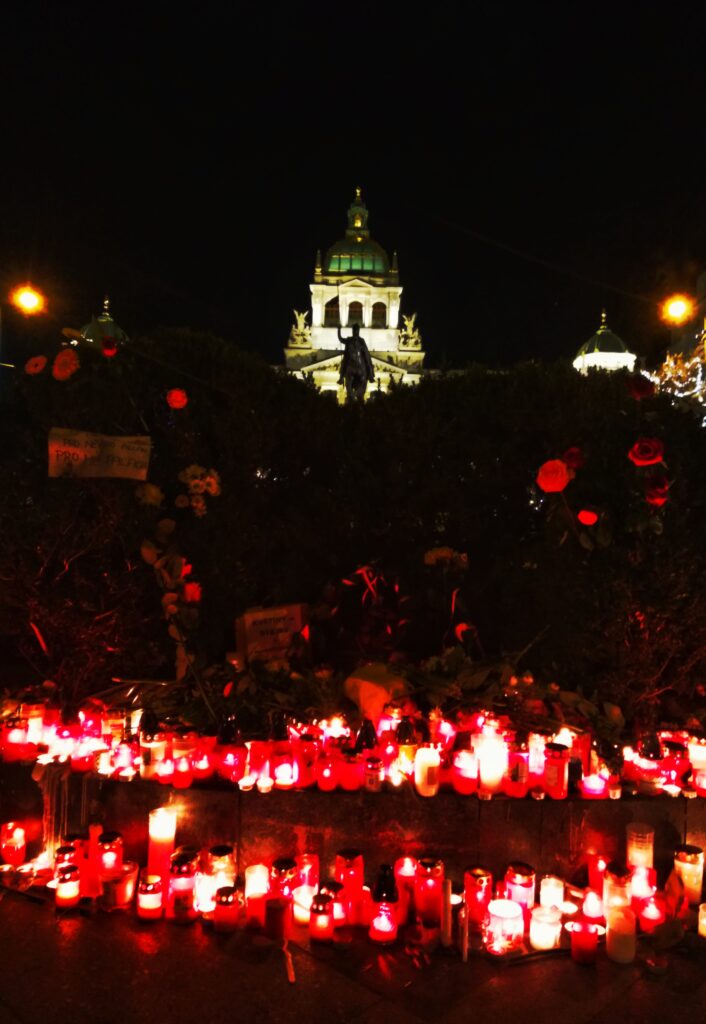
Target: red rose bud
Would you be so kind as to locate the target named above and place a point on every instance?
(192, 593)
(553, 476)
(177, 398)
(587, 517)
(647, 451)
(640, 386)
(657, 490)
(573, 457)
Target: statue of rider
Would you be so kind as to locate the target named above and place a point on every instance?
(356, 365)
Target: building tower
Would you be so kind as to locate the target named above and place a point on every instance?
(355, 283)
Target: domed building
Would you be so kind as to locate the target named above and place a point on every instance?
(356, 283)
(103, 329)
(604, 351)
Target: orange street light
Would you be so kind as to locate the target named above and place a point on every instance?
(28, 300)
(677, 310)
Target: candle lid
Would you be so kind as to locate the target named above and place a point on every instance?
(349, 854)
(331, 888)
(226, 894)
(108, 838)
(221, 850)
(283, 868)
(518, 871)
(688, 854)
(150, 883)
(68, 873)
(556, 749)
(617, 871)
(65, 851)
(181, 864)
(430, 866)
(321, 903)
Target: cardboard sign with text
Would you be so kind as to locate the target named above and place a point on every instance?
(265, 634)
(81, 454)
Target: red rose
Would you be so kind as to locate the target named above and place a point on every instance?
(177, 398)
(553, 476)
(640, 386)
(66, 364)
(657, 489)
(110, 347)
(573, 457)
(587, 517)
(192, 593)
(647, 451)
(35, 365)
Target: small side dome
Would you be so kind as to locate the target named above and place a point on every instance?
(604, 351)
(104, 328)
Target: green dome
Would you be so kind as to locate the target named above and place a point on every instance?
(103, 328)
(603, 341)
(357, 252)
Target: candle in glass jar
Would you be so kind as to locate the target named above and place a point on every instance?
(492, 753)
(68, 891)
(162, 829)
(617, 886)
(383, 927)
(478, 892)
(652, 914)
(504, 927)
(464, 776)
(642, 884)
(181, 905)
(545, 928)
(593, 907)
(149, 897)
(427, 765)
(405, 872)
(702, 920)
(110, 845)
(308, 867)
(551, 891)
(520, 885)
(584, 941)
(257, 886)
(303, 896)
(284, 875)
(183, 773)
(640, 845)
(13, 843)
(321, 919)
(428, 891)
(621, 937)
(556, 770)
(226, 913)
(689, 865)
(597, 865)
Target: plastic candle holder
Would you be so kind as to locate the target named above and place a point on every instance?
(621, 938)
(551, 891)
(428, 891)
(556, 770)
(545, 928)
(321, 918)
(504, 926)
(584, 941)
(12, 843)
(689, 865)
(464, 775)
(427, 764)
(110, 846)
(149, 897)
(228, 905)
(640, 845)
(478, 892)
(302, 898)
(617, 886)
(68, 891)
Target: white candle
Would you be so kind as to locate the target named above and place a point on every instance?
(162, 829)
(545, 928)
(689, 865)
(426, 771)
(302, 897)
(491, 751)
(620, 935)
(551, 891)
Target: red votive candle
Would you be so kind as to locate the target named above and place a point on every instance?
(321, 918)
(584, 940)
(653, 913)
(149, 897)
(464, 775)
(326, 774)
(183, 773)
(597, 865)
(284, 876)
(68, 888)
(308, 867)
(478, 892)
(428, 891)
(226, 914)
(110, 846)
(593, 907)
(13, 843)
(405, 874)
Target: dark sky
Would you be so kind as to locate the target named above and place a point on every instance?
(190, 164)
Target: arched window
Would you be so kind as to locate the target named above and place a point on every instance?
(331, 317)
(355, 313)
(379, 314)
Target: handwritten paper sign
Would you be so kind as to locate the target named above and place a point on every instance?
(266, 633)
(78, 453)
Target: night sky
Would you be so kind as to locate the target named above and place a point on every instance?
(530, 165)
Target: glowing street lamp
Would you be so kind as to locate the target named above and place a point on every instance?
(677, 310)
(29, 301)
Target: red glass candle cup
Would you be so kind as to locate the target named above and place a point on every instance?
(327, 774)
(428, 891)
(13, 844)
(228, 909)
(183, 772)
(478, 892)
(321, 918)
(68, 887)
(584, 940)
(181, 907)
(464, 774)
(149, 897)
(520, 883)
(405, 875)
(284, 876)
(556, 771)
(110, 846)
